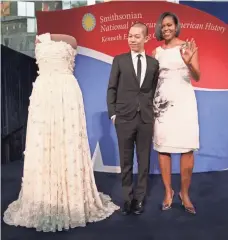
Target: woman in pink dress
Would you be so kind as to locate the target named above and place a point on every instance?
(176, 127)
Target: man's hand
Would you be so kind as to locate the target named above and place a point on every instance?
(113, 119)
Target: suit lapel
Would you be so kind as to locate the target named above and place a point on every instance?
(147, 68)
(133, 70)
(132, 67)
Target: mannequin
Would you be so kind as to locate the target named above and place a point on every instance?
(62, 37)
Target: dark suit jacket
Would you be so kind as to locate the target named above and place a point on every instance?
(125, 96)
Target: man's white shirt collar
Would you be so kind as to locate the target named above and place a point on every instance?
(135, 54)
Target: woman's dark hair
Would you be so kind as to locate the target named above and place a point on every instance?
(158, 27)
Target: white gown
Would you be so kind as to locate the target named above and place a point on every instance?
(58, 187)
(176, 127)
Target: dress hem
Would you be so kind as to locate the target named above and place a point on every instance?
(169, 149)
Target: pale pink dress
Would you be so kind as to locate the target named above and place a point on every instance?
(176, 128)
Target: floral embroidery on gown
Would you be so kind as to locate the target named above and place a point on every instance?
(58, 187)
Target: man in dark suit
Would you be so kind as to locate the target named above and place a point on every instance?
(132, 84)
